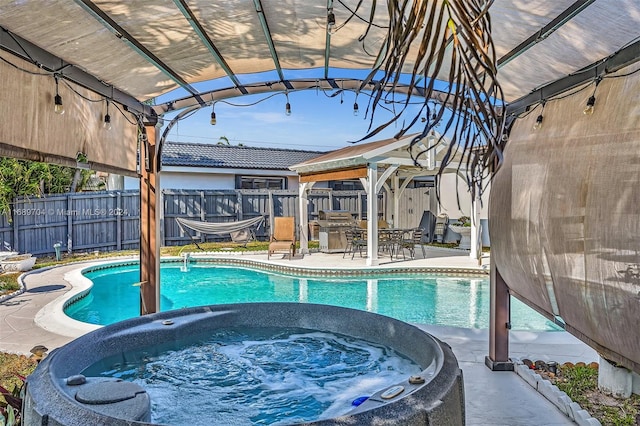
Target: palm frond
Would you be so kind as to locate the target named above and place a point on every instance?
(450, 41)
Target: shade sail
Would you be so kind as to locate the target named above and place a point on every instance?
(566, 201)
(149, 48)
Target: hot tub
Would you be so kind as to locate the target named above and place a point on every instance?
(57, 394)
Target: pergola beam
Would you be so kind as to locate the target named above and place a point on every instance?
(206, 40)
(327, 43)
(269, 38)
(622, 58)
(132, 42)
(545, 31)
(290, 85)
(31, 53)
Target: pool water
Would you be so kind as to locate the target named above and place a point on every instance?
(258, 376)
(414, 298)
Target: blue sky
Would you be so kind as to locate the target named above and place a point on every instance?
(317, 121)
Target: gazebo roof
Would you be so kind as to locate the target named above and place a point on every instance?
(383, 153)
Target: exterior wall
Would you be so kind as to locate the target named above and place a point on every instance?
(179, 179)
(131, 183)
(449, 183)
(183, 180)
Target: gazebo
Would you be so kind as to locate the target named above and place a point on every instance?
(391, 164)
(563, 206)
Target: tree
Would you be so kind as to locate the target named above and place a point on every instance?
(32, 178)
(223, 140)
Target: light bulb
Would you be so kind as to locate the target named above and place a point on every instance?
(355, 109)
(331, 18)
(58, 107)
(589, 108)
(287, 109)
(213, 118)
(107, 122)
(538, 122)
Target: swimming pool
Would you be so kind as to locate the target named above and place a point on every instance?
(458, 301)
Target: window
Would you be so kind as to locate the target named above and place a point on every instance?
(346, 185)
(260, 182)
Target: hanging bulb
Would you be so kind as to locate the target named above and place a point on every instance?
(287, 109)
(213, 118)
(107, 119)
(58, 107)
(589, 108)
(331, 18)
(538, 122)
(107, 122)
(355, 109)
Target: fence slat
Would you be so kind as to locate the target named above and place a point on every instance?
(110, 220)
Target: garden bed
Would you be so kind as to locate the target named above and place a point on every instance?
(580, 382)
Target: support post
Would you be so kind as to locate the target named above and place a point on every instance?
(395, 191)
(372, 215)
(304, 216)
(476, 237)
(149, 230)
(499, 323)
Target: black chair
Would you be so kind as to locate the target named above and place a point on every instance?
(356, 240)
(415, 239)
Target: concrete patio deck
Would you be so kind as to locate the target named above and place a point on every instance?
(492, 398)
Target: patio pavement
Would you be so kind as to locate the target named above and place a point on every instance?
(492, 398)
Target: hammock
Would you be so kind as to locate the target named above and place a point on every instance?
(240, 231)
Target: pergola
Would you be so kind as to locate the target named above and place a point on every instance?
(111, 57)
(391, 164)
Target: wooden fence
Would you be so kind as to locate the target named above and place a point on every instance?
(104, 221)
(107, 221)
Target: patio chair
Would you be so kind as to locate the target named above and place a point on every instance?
(415, 239)
(356, 241)
(283, 236)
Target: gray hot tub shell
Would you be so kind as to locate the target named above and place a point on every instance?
(56, 395)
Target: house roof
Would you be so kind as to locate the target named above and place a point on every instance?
(229, 156)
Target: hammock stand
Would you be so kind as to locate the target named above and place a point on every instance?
(241, 231)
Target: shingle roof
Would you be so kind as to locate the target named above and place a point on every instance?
(229, 156)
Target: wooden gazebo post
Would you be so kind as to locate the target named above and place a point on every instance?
(149, 225)
(499, 323)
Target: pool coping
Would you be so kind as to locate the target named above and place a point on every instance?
(52, 318)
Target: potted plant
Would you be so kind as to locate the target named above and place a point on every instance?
(17, 263)
(463, 227)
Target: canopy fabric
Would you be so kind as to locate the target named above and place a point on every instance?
(566, 201)
(148, 48)
(220, 227)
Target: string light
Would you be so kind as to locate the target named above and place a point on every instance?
(331, 18)
(588, 110)
(58, 108)
(355, 106)
(287, 108)
(538, 124)
(107, 119)
(213, 115)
